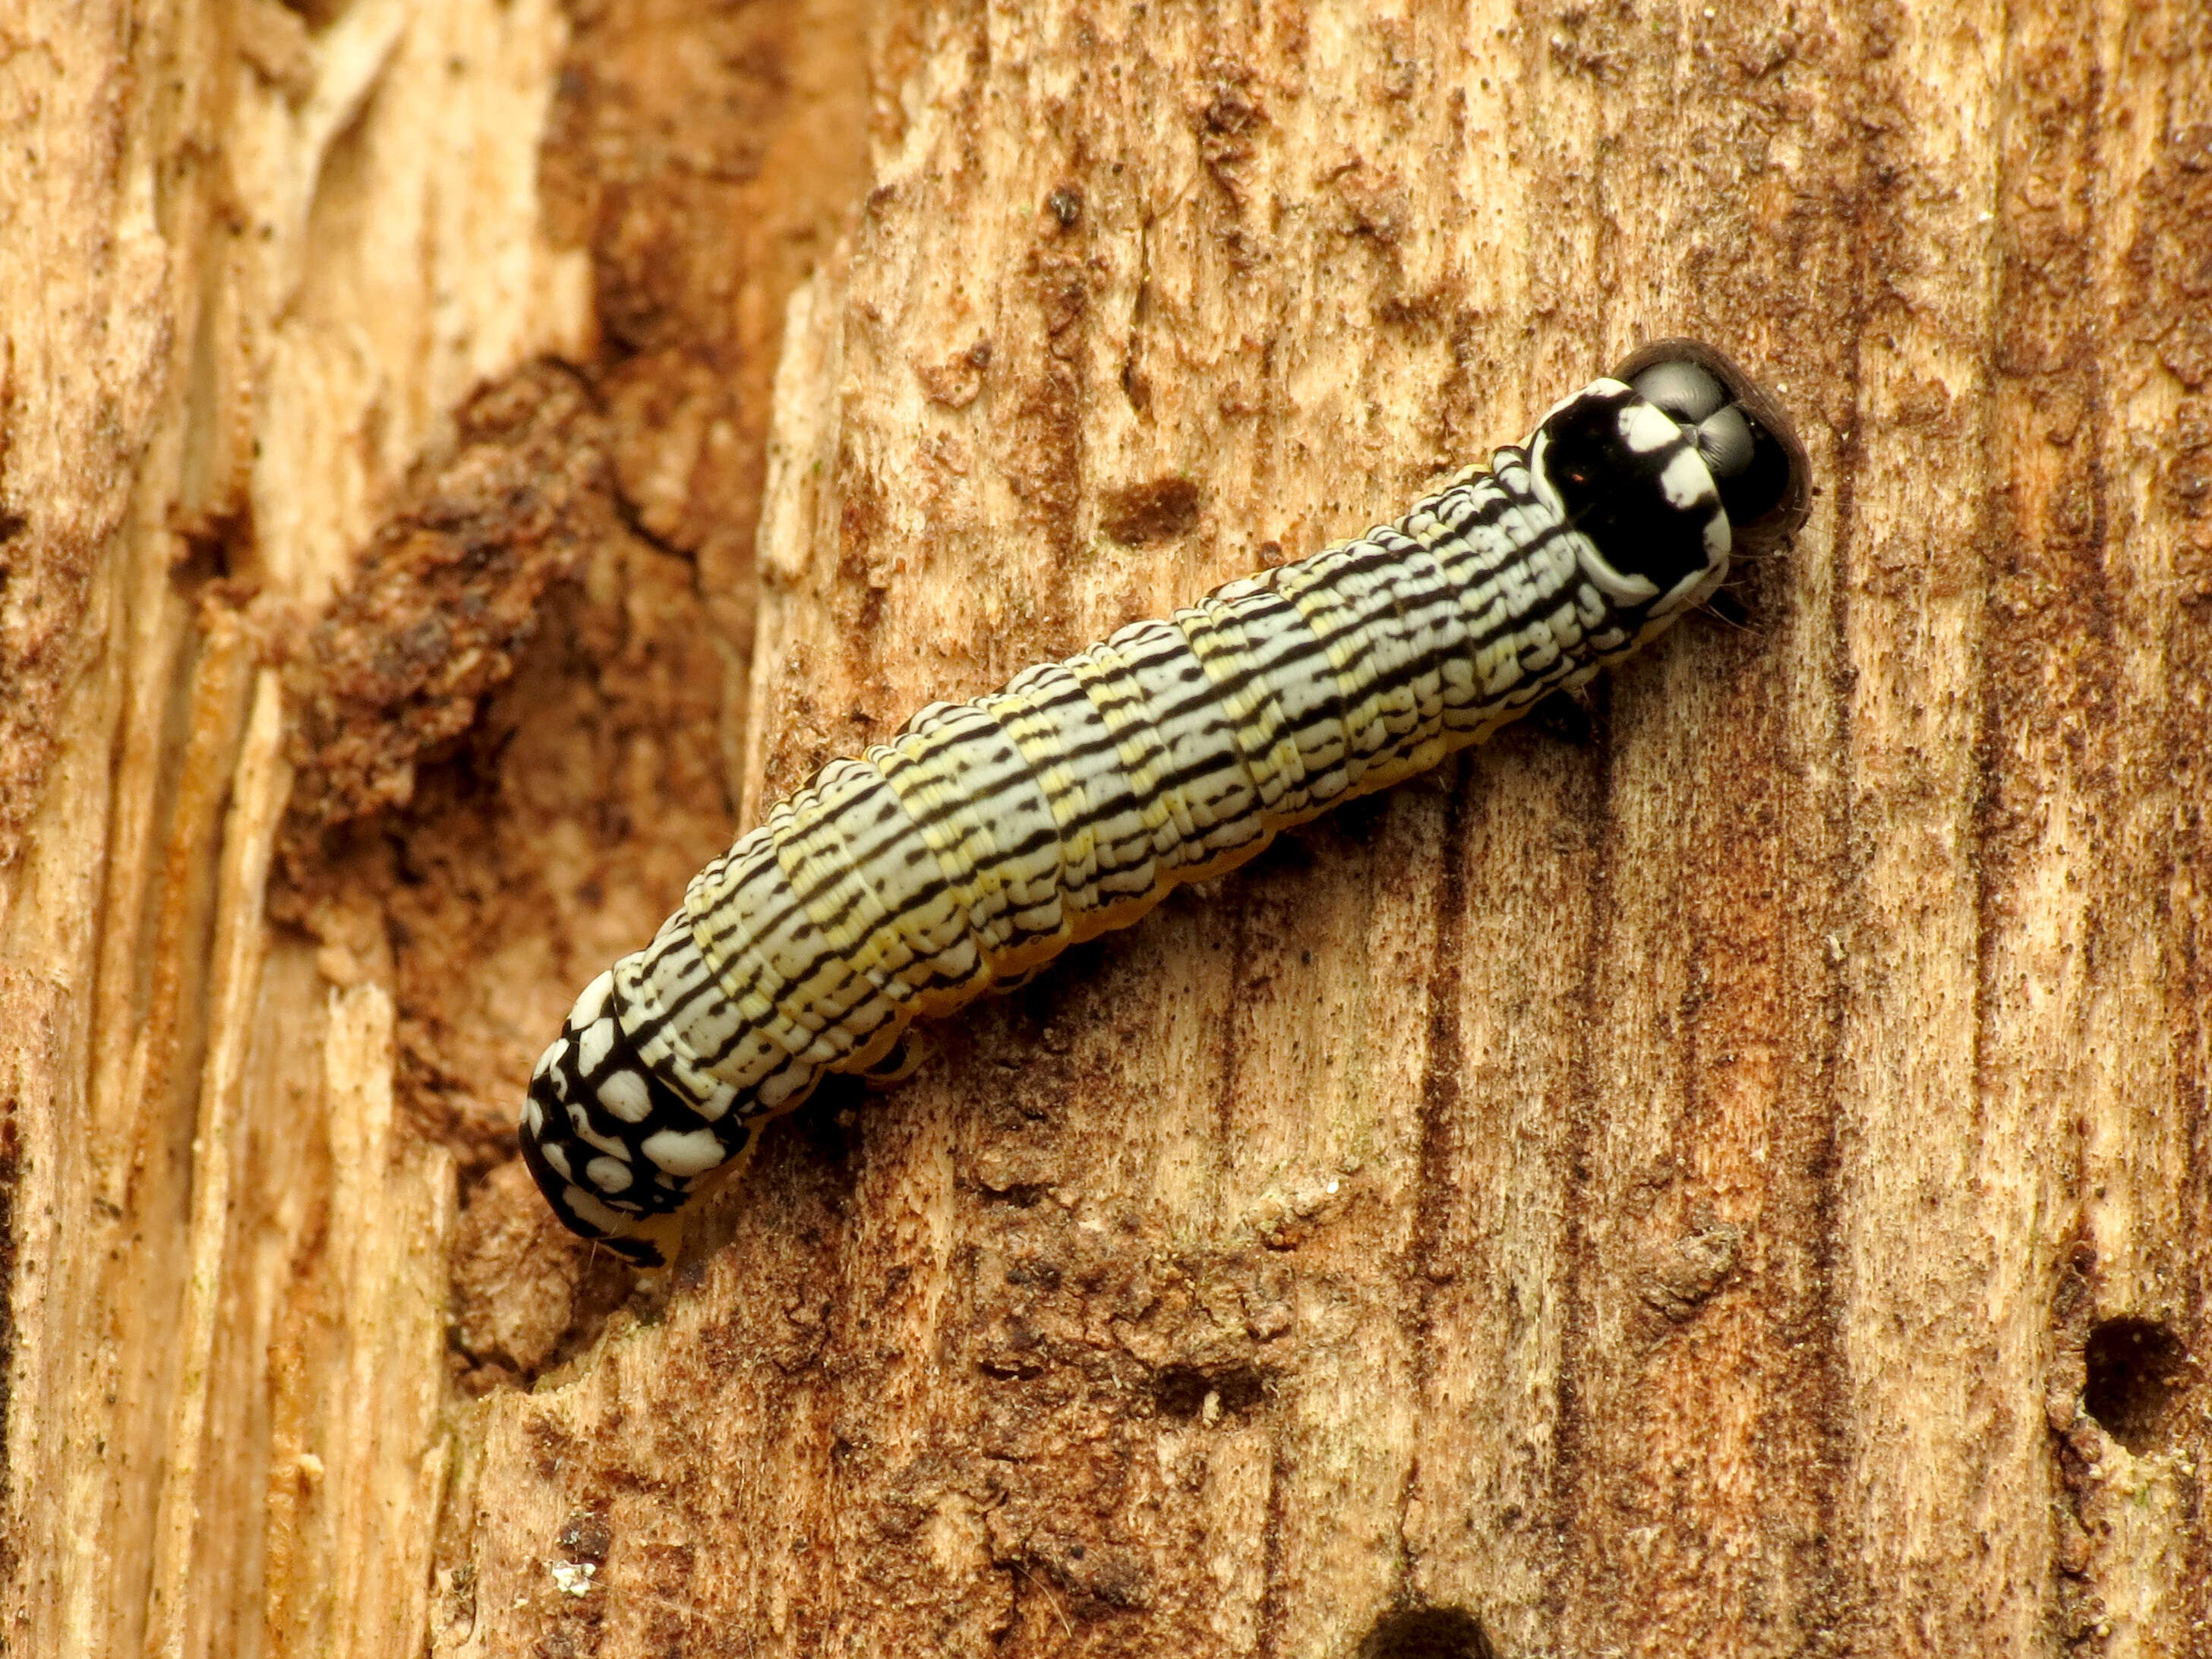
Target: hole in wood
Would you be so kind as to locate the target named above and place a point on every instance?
(1191, 1391)
(1427, 1634)
(2137, 1369)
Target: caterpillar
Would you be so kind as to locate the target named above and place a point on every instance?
(990, 835)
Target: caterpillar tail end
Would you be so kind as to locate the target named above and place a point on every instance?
(644, 1240)
(615, 1149)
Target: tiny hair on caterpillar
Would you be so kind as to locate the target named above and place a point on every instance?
(987, 836)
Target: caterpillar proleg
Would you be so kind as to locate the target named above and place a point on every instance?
(990, 835)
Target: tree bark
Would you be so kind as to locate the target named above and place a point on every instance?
(1725, 1168)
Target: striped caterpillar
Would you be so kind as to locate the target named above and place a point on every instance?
(987, 836)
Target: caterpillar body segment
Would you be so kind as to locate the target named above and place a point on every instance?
(987, 836)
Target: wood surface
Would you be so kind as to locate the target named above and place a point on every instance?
(1726, 1169)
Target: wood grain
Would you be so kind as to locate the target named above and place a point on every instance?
(1727, 1169)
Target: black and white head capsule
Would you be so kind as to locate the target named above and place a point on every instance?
(1670, 464)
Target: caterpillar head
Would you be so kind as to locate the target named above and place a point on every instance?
(1666, 466)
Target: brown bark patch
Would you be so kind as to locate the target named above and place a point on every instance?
(447, 596)
(1154, 510)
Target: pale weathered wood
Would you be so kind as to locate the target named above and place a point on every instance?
(250, 266)
(1727, 1170)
